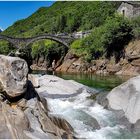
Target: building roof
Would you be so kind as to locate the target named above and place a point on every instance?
(134, 3)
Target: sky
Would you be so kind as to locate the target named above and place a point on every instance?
(11, 11)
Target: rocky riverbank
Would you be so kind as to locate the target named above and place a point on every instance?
(128, 65)
(27, 101)
(24, 113)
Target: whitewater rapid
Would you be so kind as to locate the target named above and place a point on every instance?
(80, 112)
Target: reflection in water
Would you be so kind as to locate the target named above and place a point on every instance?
(96, 81)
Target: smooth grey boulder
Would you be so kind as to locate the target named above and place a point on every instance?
(51, 86)
(126, 98)
(13, 75)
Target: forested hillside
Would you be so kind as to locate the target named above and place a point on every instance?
(111, 32)
(64, 17)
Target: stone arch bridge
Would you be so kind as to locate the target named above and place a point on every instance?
(24, 42)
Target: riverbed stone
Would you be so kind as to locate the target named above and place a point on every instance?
(113, 68)
(13, 75)
(136, 63)
(101, 98)
(51, 86)
(126, 98)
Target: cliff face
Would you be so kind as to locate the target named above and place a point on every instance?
(130, 65)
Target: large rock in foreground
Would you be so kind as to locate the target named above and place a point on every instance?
(29, 118)
(13, 75)
(25, 116)
(126, 97)
(125, 101)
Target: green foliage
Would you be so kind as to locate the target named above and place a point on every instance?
(136, 27)
(91, 46)
(118, 34)
(61, 23)
(108, 39)
(5, 47)
(48, 49)
(110, 32)
(41, 48)
(136, 21)
(136, 32)
(77, 49)
(63, 16)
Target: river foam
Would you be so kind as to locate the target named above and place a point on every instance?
(80, 112)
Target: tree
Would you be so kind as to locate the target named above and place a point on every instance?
(61, 23)
(119, 32)
(109, 39)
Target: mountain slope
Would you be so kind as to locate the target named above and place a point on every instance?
(63, 17)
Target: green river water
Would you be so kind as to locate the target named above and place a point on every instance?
(95, 81)
(105, 82)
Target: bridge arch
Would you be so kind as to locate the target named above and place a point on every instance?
(24, 42)
(8, 39)
(21, 43)
(54, 56)
(49, 37)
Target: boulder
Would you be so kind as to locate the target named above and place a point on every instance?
(113, 68)
(101, 98)
(54, 87)
(31, 121)
(68, 61)
(13, 122)
(40, 61)
(129, 69)
(36, 67)
(136, 63)
(72, 63)
(34, 79)
(66, 65)
(101, 64)
(13, 75)
(26, 116)
(126, 98)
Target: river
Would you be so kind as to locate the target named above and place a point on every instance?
(81, 111)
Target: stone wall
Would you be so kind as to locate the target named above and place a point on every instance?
(126, 10)
(136, 12)
(129, 10)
